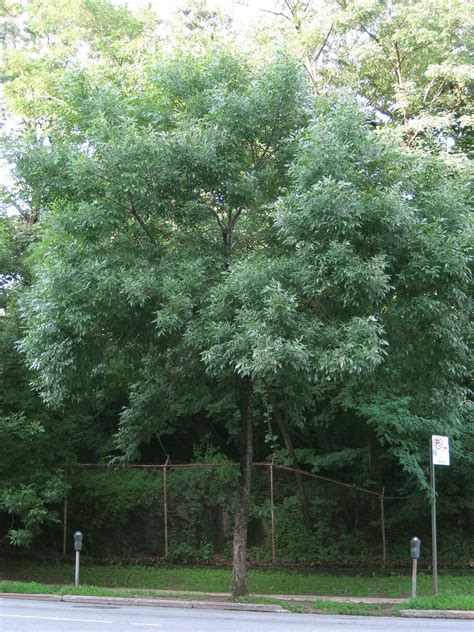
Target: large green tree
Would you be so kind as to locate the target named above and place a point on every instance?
(144, 215)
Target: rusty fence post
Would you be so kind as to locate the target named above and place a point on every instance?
(165, 503)
(65, 513)
(272, 506)
(382, 526)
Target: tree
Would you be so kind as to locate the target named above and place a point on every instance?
(414, 65)
(144, 216)
(409, 61)
(40, 46)
(380, 235)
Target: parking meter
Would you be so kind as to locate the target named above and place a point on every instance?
(415, 548)
(78, 541)
(78, 548)
(415, 556)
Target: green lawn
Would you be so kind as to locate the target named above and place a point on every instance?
(351, 609)
(443, 601)
(218, 580)
(37, 588)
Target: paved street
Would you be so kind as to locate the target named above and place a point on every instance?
(37, 616)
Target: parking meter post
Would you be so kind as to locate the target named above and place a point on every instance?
(413, 579)
(415, 555)
(78, 548)
(76, 574)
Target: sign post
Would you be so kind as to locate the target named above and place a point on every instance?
(439, 455)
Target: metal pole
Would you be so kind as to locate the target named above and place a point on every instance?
(165, 505)
(434, 544)
(272, 505)
(413, 578)
(382, 524)
(76, 575)
(65, 514)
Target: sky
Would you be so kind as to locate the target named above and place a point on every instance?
(241, 10)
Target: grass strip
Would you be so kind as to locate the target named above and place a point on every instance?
(444, 601)
(207, 580)
(36, 588)
(351, 609)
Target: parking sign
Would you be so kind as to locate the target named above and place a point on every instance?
(440, 450)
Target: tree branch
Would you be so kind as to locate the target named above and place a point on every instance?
(277, 13)
(398, 68)
(132, 210)
(378, 41)
(136, 215)
(258, 164)
(323, 45)
(221, 224)
(290, 8)
(372, 36)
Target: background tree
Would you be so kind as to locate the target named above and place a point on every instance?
(409, 61)
(32, 441)
(380, 240)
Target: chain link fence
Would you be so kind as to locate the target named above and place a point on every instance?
(185, 513)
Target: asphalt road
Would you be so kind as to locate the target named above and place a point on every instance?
(36, 616)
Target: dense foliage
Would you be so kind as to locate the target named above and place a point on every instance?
(269, 249)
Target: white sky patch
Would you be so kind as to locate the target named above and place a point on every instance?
(242, 11)
(6, 180)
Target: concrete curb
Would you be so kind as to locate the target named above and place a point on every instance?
(157, 603)
(296, 598)
(175, 594)
(438, 614)
(36, 597)
(228, 605)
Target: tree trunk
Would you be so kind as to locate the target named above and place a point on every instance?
(291, 452)
(239, 574)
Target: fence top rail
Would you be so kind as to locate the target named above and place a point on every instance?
(125, 466)
(209, 465)
(168, 466)
(328, 480)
